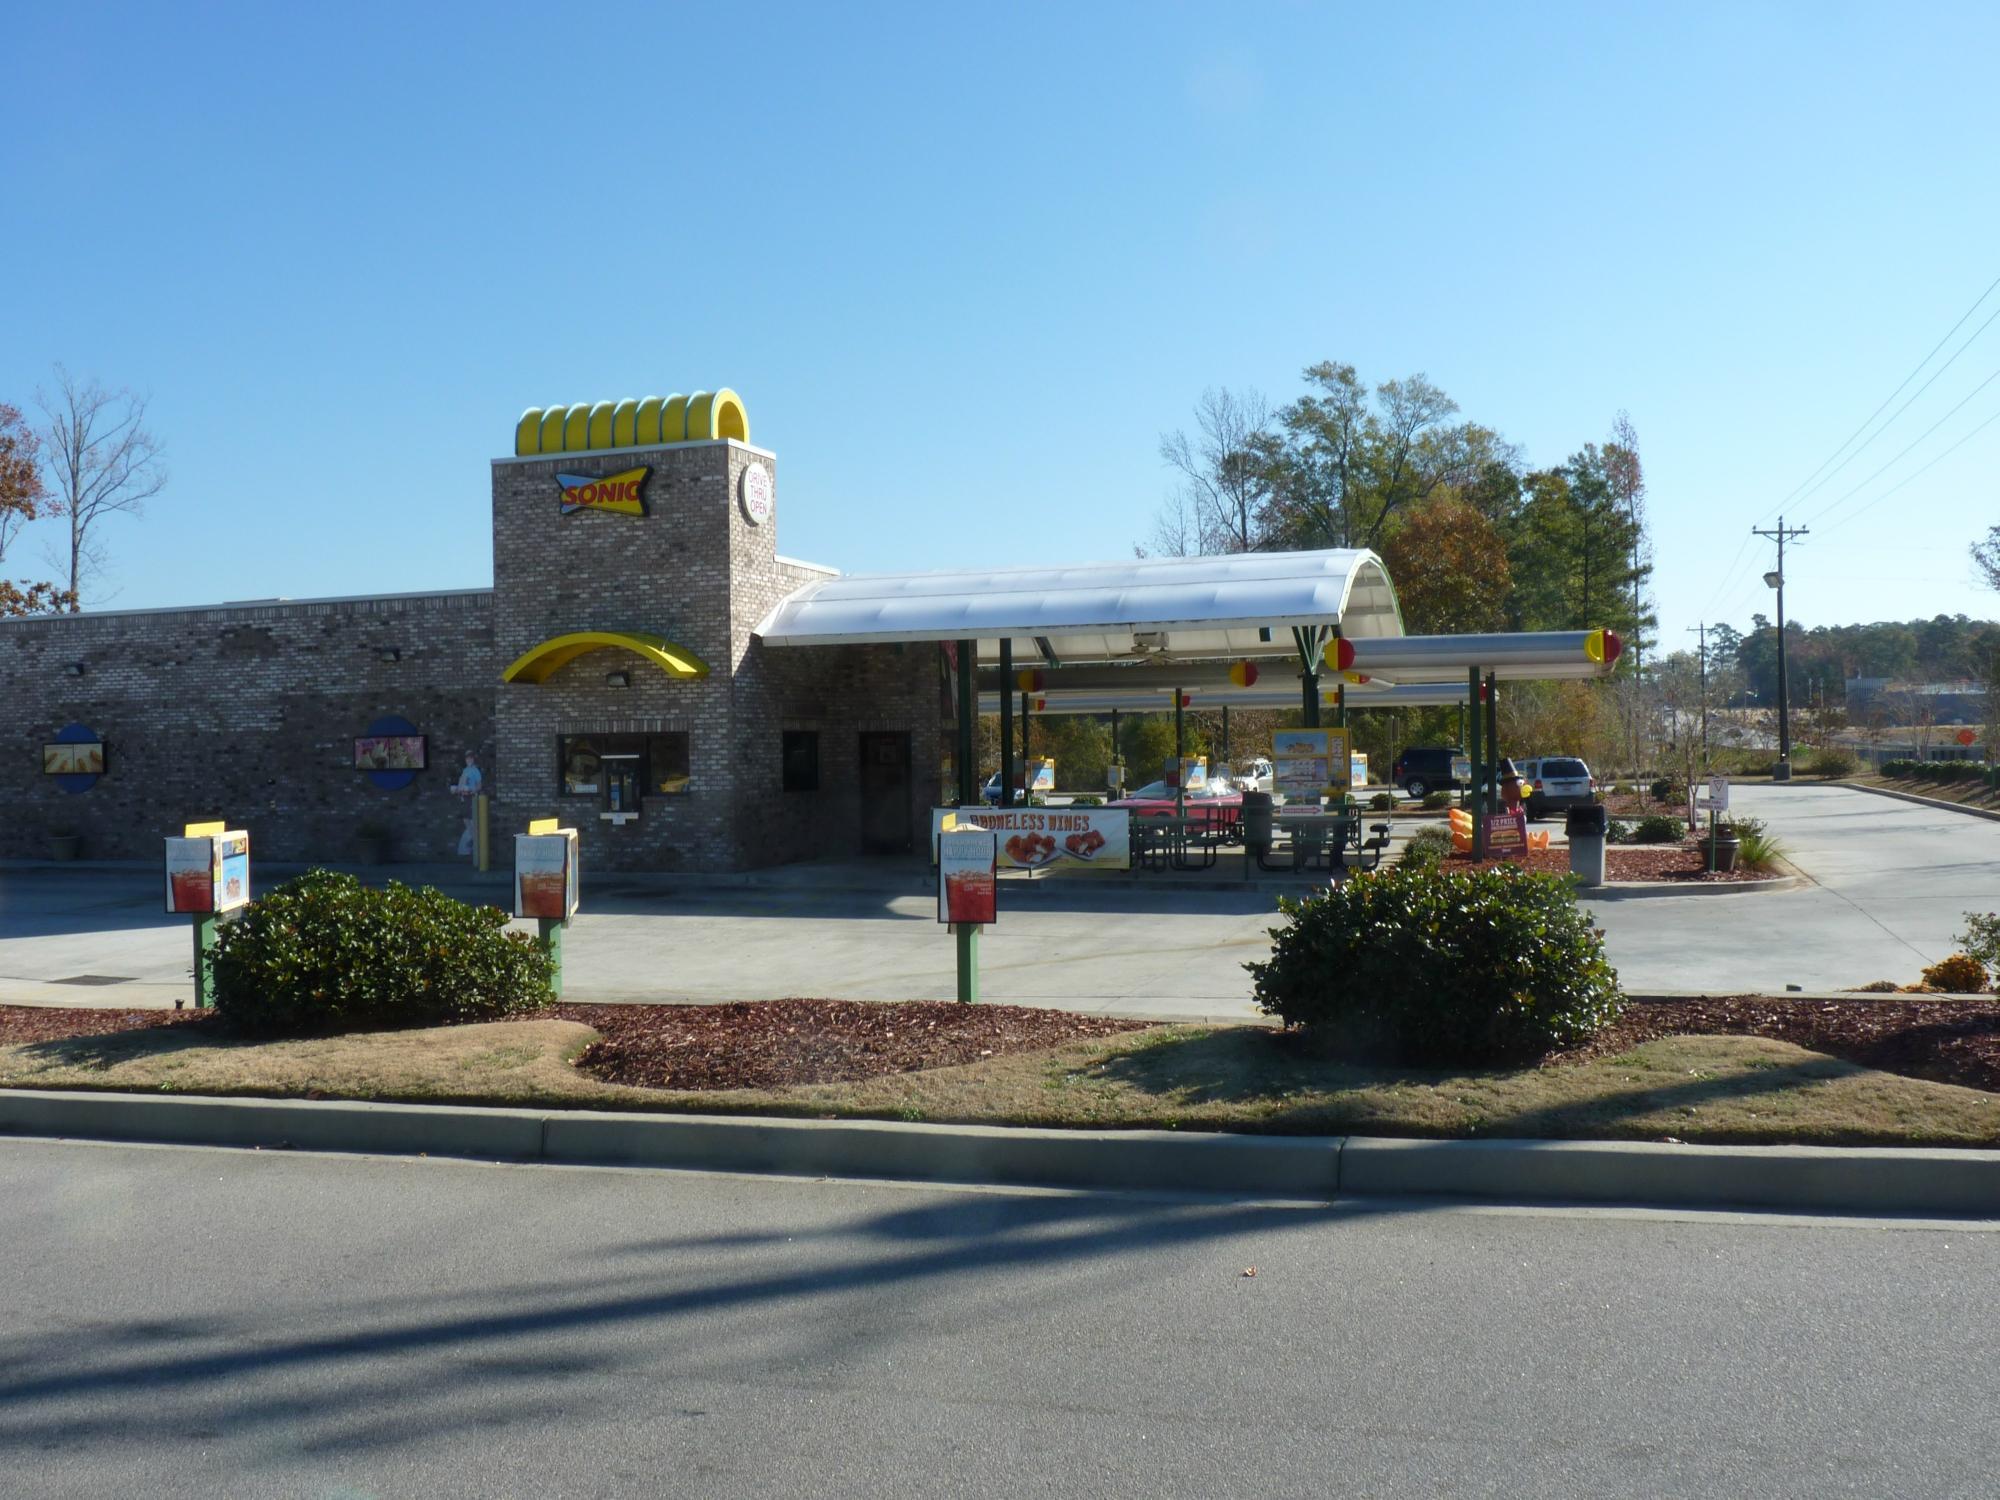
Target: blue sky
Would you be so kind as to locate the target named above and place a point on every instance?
(964, 265)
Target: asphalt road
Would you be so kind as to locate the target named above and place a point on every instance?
(206, 1322)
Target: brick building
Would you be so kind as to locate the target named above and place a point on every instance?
(611, 676)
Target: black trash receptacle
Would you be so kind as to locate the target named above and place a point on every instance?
(1591, 819)
(1257, 823)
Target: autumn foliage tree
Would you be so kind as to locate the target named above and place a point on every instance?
(21, 500)
(1450, 568)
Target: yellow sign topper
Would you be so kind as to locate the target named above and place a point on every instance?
(613, 492)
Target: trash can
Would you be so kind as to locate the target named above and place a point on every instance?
(1257, 823)
(1586, 827)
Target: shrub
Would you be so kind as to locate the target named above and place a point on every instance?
(1435, 800)
(1617, 831)
(1657, 828)
(1669, 789)
(1428, 846)
(1382, 802)
(1086, 801)
(1898, 769)
(1961, 974)
(1429, 966)
(325, 953)
(1757, 847)
(1831, 760)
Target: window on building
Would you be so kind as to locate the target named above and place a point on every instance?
(801, 760)
(669, 772)
(664, 769)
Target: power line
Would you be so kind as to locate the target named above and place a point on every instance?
(1917, 474)
(1828, 509)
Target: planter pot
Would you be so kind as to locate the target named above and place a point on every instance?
(1727, 848)
(65, 846)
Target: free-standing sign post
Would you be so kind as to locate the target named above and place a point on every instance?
(968, 892)
(546, 887)
(208, 872)
(1718, 802)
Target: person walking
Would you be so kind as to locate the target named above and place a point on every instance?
(470, 780)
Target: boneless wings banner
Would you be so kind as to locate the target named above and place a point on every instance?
(1033, 838)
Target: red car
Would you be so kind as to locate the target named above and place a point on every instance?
(1222, 807)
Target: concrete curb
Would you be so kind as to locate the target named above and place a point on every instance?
(1831, 1180)
(1634, 890)
(1987, 813)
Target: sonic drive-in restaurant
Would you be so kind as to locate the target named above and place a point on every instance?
(612, 677)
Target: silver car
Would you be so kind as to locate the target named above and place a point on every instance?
(1555, 783)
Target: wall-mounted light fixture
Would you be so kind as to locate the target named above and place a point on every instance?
(617, 679)
(73, 669)
(387, 653)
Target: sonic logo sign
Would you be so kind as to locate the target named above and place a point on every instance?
(613, 492)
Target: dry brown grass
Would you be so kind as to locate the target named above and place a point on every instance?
(1702, 1088)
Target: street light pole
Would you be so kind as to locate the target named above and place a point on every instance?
(1776, 579)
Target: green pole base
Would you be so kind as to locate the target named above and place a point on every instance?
(550, 931)
(204, 971)
(967, 934)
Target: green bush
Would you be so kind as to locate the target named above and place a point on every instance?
(1981, 938)
(1422, 965)
(1669, 789)
(1428, 846)
(1617, 831)
(1086, 801)
(1435, 800)
(1896, 770)
(1657, 828)
(1831, 760)
(325, 953)
(1382, 802)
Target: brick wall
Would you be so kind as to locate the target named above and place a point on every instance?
(246, 712)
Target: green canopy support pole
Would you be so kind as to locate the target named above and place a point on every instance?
(968, 705)
(1225, 734)
(1477, 798)
(1007, 723)
(1117, 757)
(549, 931)
(1180, 780)
(1340, 702)
(1308, 676)
(1493, 734)
(1024, 744)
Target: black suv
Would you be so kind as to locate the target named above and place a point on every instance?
(1426, 768)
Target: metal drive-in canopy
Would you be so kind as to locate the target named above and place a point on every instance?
(1278, 696)
(1169, 608)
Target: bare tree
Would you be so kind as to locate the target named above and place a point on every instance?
(1225, 472)
(1986, 557)
(102, 462)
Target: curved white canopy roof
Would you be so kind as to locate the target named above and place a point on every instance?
(1162, 608)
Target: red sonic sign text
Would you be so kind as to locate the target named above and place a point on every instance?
(613, 492)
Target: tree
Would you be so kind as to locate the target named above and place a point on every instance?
(103, 463)
(21, 497)
(1224, 475)
(1627, 478)
(1450, 569)
(1986, 557)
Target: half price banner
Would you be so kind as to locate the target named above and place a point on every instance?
(1033, 838)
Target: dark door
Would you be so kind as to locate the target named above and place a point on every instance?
(885, 792)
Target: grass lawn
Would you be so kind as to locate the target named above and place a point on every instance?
(1690, 1088)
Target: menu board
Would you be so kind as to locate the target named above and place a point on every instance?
(208, 873)
(968, 890)
(1303, 763)
(545, 875)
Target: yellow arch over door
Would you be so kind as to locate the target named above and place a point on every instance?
(536, 665)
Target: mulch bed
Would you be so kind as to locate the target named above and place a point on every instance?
(770, 1043)
(1947, 1040)
(1655, 862)
(52, 1023)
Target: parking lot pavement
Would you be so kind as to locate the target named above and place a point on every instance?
(1891, 882)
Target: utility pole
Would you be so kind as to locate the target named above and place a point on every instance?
(1783, 770)
(1701, 633)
